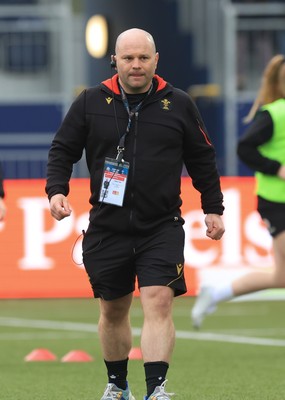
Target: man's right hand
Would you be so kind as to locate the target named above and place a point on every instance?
(59, 207)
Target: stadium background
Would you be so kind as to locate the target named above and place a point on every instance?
(216, 50)
(213, 49)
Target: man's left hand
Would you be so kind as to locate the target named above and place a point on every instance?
(215, 226)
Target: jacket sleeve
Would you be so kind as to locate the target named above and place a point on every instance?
(2, 193)
(200, 162)
(66, 148)
(258, 133)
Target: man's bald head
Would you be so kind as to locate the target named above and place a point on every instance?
(134, 35)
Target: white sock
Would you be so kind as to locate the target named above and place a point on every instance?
(222, 293)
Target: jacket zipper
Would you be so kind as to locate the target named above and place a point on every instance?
(133, 170)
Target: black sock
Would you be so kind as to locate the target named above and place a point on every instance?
(117, 372)
(155, 373)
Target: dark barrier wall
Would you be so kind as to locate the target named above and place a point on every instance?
(159, 17)
(243, 108)
(30, 118)
(26, 131)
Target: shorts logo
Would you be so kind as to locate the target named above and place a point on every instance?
(179, 268)
(165, 104)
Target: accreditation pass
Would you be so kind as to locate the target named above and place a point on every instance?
(114, 181)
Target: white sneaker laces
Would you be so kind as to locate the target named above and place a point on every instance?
(162, 390)
(110, 393)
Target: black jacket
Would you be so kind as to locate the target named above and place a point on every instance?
(166, 132)
(258, 133)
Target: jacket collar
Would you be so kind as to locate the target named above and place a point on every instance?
(112, 83)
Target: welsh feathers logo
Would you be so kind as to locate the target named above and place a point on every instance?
(165, 104)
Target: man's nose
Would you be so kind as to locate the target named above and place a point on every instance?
(136, 63)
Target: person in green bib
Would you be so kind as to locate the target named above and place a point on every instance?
(261, 148)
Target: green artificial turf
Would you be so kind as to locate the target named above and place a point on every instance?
(237, 355)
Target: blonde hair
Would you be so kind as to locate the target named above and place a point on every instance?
(268, 91)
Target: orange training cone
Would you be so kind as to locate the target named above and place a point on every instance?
(40, 355)
(135, 354)
(77, 356)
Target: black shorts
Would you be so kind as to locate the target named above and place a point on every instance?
(113, 261)
(273, 215)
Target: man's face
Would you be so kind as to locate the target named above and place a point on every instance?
(136, 62)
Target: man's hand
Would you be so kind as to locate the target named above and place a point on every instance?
(215, 226)
(59, 207)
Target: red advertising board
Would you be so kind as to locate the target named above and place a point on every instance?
(41, 257)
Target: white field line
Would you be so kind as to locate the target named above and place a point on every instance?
(93, 328)
(44, 336)
(45, 324)
(253, 331)
(218, 337)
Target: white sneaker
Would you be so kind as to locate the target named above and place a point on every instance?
(203, 306)
(112, 392)
(159, 393)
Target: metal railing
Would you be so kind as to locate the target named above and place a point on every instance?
(246, 18)
(37, 75)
